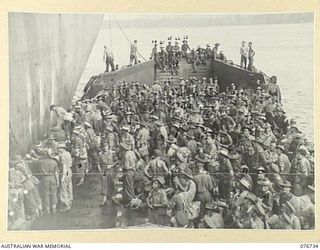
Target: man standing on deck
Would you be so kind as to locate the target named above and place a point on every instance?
(108, 58)
(133, 53)
(66, 192)
(244, 55)
(251, 55)
(129, 167)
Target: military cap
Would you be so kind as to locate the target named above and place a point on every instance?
(62, 145)
(251, 197)
(154, 117)
(77, 132)
(125, 146)
(285, 183)
(109, 128)
(189, 134)
(221, 203)
(159, 123)
(187, 172)
(258, 207)
(303, 151)
(87, 124)
(210, 206)
(159, 179)
(201, 159)
(246, 183)
(126, 128)
(234, 156)
(264, 183)
(281, 147)
(224, 152)
(171, 139)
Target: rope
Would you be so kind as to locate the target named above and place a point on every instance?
(128, 39)
(110, 33)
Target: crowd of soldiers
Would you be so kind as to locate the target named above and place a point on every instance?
(191, 154)
(169, 56)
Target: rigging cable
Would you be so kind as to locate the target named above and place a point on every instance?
(128, 38)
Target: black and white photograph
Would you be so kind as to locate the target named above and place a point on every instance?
(161, 121)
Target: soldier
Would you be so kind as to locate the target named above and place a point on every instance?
(157, 202)
(66, 191)
(157, 166)
(212, 218)
(107, 168)
(92, 142)
(129, 165)
(203, 182)
(32, 200)
(143, 137)
(126, 137)
(48, 170)
(80, 156)
(302, 172)
(227, 174)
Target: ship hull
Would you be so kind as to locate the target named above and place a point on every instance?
(47, 55)
(228, 73)
(143, 73)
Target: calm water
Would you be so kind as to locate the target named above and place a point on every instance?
(285, 50)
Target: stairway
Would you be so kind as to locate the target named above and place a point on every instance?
(186, 71)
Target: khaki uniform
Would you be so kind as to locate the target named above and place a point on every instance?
(66, 190)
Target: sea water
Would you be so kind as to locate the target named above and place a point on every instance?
(284, 50)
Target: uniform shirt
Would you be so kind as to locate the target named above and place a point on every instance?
(128, 139)
(143, 136)
(158, 197)
(78, 145)
(251, 52)
(185, 47)
(65, 159)
(134, 49)
(227, 122)
(303, 166)
(169, 49)
(112, 140)
(203, 182)
(106, 158)
(59, 135)
(47, 167)
(130, 160)
(192, 146)
(244, 51)
(107, 54)
(176, 48)
(284, 163)
(90, 137)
